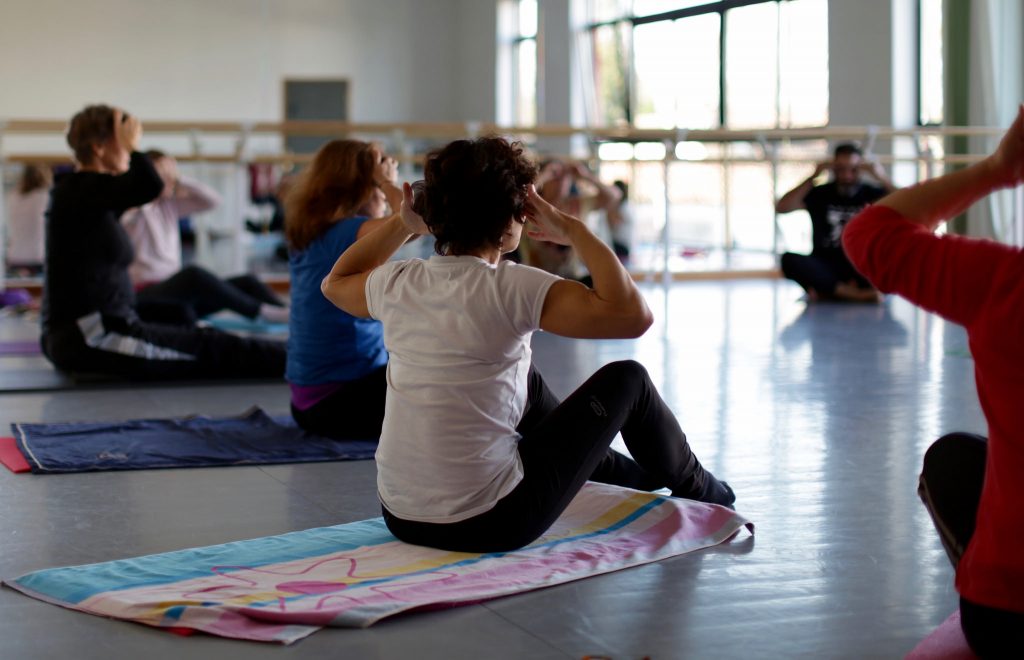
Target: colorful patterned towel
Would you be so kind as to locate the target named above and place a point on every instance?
(283, 588)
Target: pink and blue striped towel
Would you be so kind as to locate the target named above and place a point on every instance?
(283, 588)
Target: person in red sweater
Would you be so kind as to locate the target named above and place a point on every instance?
(973, 487)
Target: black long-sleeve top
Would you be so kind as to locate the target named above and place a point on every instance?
(87, 250)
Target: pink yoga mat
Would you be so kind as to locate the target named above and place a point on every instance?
(11, 456)
(945, 643)
(18, 348)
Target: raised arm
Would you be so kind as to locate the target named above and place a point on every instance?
(141, 183)
(794, 199)
(931, 202)
(607, 196)
(875, 170)
(345, 285)
(192, 196)
(892, 244)
(613, 308)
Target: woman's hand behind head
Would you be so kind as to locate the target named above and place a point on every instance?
(412, 220)
(546, 223)
(127, 130)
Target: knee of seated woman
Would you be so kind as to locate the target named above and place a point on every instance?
(626, 369)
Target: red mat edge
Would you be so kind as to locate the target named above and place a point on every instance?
(944, 643)
(11, 456)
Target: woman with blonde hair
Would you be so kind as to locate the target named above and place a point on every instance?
(336, 362)
(89, 318)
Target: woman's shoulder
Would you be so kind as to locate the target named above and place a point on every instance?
(510, 270)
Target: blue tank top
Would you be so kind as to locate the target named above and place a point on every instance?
(325, 344)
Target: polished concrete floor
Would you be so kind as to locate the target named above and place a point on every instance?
(817, 415)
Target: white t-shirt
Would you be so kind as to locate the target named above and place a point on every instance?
(457, 330)
(26, 218)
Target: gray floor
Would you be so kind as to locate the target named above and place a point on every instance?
(818, 417)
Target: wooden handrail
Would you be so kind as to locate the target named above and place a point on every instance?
(448, 129)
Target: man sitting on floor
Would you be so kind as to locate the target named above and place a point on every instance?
(826, 274)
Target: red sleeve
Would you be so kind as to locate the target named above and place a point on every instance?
(953, 276)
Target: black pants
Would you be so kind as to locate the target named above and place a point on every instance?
(563, 446)
(354, 411)
(821, 272)
(194, 292)
(950, 487)
(140, 350)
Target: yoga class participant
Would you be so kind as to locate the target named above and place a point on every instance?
(336, 362)
(570, 187)
(826, 273)
(972, 487)
(26, 219)
(156, 271)
(88, 314)
(476, 455)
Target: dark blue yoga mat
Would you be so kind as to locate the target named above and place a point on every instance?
(253, 438)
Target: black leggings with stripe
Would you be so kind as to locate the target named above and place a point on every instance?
(148, 351)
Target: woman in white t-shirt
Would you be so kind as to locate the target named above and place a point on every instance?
(475, 454)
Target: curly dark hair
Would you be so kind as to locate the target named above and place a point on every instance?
(472, 189)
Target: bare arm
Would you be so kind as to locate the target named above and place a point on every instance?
(345, 285)
(393, 194)
(613, 308)
(607, 196)
(794, 199)
(877, 172)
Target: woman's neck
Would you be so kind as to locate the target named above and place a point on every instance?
(490, 255)
(91, 167)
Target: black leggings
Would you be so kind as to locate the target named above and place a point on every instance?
(194, 292)
(563, 446)
(354, 411)
(134, 349)
(820, 273)
(950, 487)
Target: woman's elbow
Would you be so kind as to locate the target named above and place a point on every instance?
(326, 288)
(638, 322)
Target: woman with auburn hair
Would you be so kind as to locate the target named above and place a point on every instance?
(476, 454)
(971, 485)
(89, 318)
(336, 362)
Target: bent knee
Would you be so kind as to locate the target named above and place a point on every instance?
(197, 274)
(952, 450)
(626, 370)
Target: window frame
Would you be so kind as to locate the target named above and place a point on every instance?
(515, 43)
(720, 7)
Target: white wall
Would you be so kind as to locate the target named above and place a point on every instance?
(406, 60)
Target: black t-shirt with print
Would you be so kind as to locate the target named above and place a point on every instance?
(830, 211)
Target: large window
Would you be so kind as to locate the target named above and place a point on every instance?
(524, 63)
(698, 64)
(694, 64)
(930, 74)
